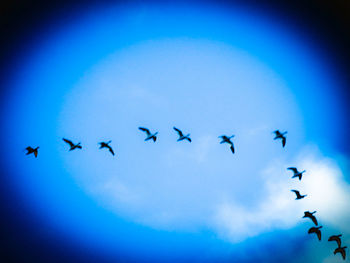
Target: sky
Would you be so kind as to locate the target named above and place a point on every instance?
(210, 71)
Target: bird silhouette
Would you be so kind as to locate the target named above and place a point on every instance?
(296, 172)
(340, 250)
(182, 136)
(72, 145)
(310, 215)
(281, 136)
(106, 145)
(335, 238)
(316, 230)
(149, 134)
(226, 139)
(32, 150)
(299, 196)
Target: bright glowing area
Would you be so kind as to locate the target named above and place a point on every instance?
(209, 73)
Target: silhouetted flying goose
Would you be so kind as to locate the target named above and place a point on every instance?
(72, 145)
(182, 136)
(311, 216)
(226, 139)
(316, 230)
(299, 196)
(106, 145)
(32, 150)
(340, 250)
(149, 134)
(335, 238)
(281, 136)
(296, 172)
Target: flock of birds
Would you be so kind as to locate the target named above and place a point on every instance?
(225, 139)
(307, 214)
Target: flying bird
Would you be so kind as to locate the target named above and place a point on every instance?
(299, 196)
(106, 145)
(296, 172)
(149, 134)
(182, 136)
(281, 136)
(226, 139)
(316, 230)
(335, 238)
(340, 250)
(72, 145)
(32, 150)
(307, 214)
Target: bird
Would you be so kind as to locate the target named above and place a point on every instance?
(280, 135)
(182, 136)
(149, 134)
(32, 150)
(335, 238)
(316, 230)
(72, 145)
(106, 145)
(311, 216)
(299, 196)
(226, 139)
(340, 250)
(296, 172)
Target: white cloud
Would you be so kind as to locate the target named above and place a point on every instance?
(324, 183)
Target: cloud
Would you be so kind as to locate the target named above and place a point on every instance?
(324, 183)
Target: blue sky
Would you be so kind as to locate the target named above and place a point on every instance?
(208, 71)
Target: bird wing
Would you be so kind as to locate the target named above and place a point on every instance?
(232, 148)
(283, 141)
(318, 232)
(313, 218)
(145, 130)
(341, 251)
(336, 239)
(178, 131)
(189, 139)
(298, 194)
(69, 142)
(154, 138)
(110, 149)
(295, 170)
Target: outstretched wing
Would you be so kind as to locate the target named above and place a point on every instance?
(178, 131)
(188, 139)
(343, 253)
(318, 232)
(295, 170)
(283, 141)
(296, 192)
(68, 141)
(340, 250)
(336, 239)
(110, 149)
(313, 218)
(145, 130)
(232, 148)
